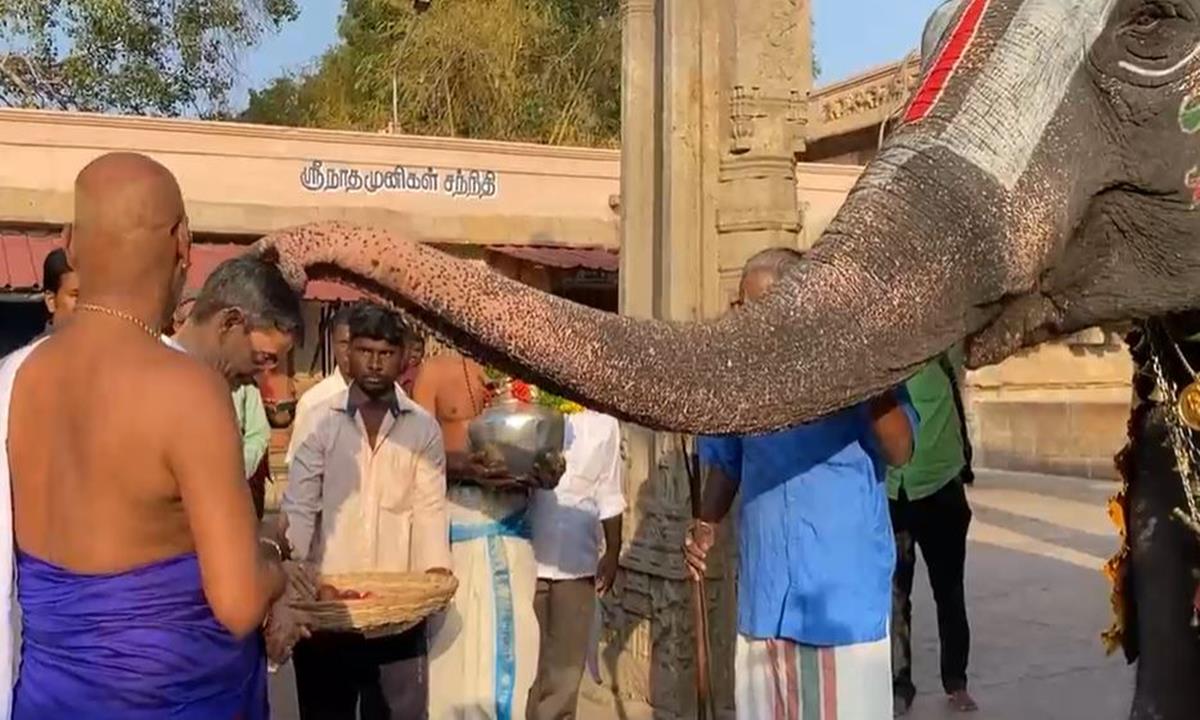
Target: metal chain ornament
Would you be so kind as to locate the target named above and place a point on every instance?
(118, 315)
(1183, 419)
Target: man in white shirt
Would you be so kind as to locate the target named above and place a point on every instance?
(367, 493)
(567, 523)
(332, 385)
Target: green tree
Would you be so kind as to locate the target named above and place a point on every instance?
(816, 59)
(544, 71)
(164, 57)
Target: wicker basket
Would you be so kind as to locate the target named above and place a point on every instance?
(398, 602)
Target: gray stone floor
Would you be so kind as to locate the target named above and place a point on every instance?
(1038, 603)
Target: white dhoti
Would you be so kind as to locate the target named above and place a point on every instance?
(483, 651)
(10, 634)
(783, 680)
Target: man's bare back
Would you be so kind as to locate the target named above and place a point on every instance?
(123, 452)
(95, 430)
(454, 389)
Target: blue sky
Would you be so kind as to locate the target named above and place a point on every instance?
(854, 35)
(851, 36)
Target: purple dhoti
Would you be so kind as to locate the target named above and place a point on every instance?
(131, 646)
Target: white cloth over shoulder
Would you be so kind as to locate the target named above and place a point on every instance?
(9, 643)
(566, 520)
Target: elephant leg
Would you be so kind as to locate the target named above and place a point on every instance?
(1163, 556)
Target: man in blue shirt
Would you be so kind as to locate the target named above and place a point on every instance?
(816, 552)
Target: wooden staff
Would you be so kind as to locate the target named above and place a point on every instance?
(704, 706)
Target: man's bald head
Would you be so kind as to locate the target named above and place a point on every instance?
(122, 194)
(762, 270)
(129, 236)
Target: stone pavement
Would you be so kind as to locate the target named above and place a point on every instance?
(1037, 603)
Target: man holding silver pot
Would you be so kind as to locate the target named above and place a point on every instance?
(484, 648)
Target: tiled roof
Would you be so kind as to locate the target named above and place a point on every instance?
(21, 257)
(22, 254)
(568, 258)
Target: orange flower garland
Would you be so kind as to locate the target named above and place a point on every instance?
(532, 394)
(1117, 567)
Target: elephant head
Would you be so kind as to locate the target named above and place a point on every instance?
(1042, 180)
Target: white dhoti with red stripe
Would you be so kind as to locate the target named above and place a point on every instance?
(784, 680)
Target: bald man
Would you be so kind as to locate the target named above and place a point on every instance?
(142, 580)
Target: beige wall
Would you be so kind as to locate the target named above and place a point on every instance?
(821, 189)
(1061, 408)
(246, 179)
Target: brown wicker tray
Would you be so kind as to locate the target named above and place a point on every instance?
(398, 602)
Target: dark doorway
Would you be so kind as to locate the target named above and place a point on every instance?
(22, 318)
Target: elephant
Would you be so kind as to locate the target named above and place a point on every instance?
(1043, 179)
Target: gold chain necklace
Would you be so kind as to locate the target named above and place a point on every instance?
(120, 315)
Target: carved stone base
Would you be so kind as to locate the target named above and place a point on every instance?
(648, 650)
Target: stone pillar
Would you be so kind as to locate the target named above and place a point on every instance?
(696, 199)
(638, 159)
(768, 62)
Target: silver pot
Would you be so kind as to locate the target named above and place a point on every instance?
(519, 431)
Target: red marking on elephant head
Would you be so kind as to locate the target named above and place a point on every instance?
(1192, 180)
(942, 69)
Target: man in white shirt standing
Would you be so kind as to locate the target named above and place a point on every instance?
(332, 385)
(567, 524)
(367, 493)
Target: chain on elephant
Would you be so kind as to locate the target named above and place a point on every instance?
(1155, 572)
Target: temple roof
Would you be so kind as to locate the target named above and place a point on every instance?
(861, 101)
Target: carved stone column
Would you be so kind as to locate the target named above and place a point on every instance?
(640, 142)
(692, 197)
(768, 68)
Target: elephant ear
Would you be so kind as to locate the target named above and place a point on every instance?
(935, 31)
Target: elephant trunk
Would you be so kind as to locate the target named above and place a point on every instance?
(884, 291)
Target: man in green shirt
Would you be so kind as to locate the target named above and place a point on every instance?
(256, 438)
(929, 509)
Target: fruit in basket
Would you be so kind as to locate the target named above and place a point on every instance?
(398, 601)
(327, 592)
